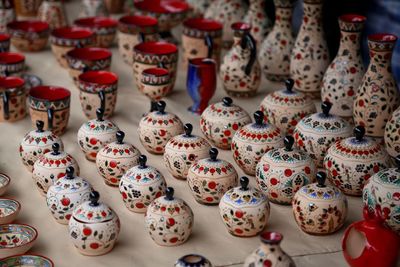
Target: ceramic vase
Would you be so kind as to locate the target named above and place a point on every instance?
(258, 19)
(7, 14)
(392, 130)
(53, 12)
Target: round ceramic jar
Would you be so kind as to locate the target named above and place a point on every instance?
(169, 220)
(50, 167)
(94, 227)
(252, 141)
(157, 127)
(36, 143)
(282, 172)
(183, 150)
(285, 108)
(244, 210)
(66, 194)
(140, 185)
(219, 122)
(352, 161)
(317, 132)
(210, 178)
(95, 134)
(319, 209)
(193, 260)
(115, 158)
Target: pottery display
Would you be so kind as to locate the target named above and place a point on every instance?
(9, 210)
(155, 83)
(115, 158)
(377, 97)
(4, 41)
(258, 19)
(391, 137)
(193, 260)
(4, 183)
(13, 99)
(93, 8)
(94, 227)
(169, 220)
(16, 239)
(7, 14)
(344, 74)
(29, 35)
(140, 185)
(12, 64)
(26, 260)
(104, 28)
(27, 8)
(114, 6)
(316, 133)
(350, 162)
(53, 12)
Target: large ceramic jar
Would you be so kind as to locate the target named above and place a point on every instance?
(66, 194)
(94, 227)
(392, 130)
(183, 150)
(320, 209)
(169, 220)
(193, 260)
(317, 132)
(115, 158)
(252, 141)
(156, 128)
(282, 172)
(244, 210)
(286, 107)
(36, 143)
(352, 161)
(140, 185)
(219, 122)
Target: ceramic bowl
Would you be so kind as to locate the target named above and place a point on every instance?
(9, 210)
(12, 64)
(4, 183)
(4, 42)
(29, 35)
(26, 260)
(16, 239)
(105, 29)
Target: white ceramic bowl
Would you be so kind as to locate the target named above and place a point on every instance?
(9, 210)
(4, 183)
(16, 239)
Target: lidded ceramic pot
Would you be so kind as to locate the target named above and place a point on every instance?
(282, 172)
(193, 260)
(317, 132)
(51, 166)
(66, 194)
(36, 143)
(95, 134)
(219, 122)
(252, 141)
(285, 108)
(157, 127)
(210, 178)
(352, 161)
(183, 150)
(319, 209)
(94, 227)
(115, 158)
(169, 220)
(244, 210)
(140, 185)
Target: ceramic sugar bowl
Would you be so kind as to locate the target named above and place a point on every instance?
(66, 194)
(94, 227)
(140, 185)
(183, 150)
(95, 134)
(37, 143)
(210, 178)
(319, 209)
(251, 142)
(219, 122)
(115, 158)
(157, 127)
(169, 220)
(352, 161)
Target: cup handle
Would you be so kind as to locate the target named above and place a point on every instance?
(79, 45)
(50, 117)
(6, 105)
(4, 73)
(161, 65)
(208, 40)
(248, 41)
(102, 97)
(141, 37)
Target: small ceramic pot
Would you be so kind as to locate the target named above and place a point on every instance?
(16, 239)
(26, 260)
(29, 35)
(282, 172)
(155, 83)
(94, 227)
(115, 158)
(104, 28)
(53, 12)
(140, 185)
(92, 8)
(192, 260)
(95, 134)
(210, 178)
(27, 8)
(50, 167)
(391, 137)
(7, 14)
(252, 141)
(114, 6)
(51, 105)
(12, 64)
(319, 209)
(244, 210)
(157, 128)
(4, 183)
(9, 210)
(169, 220)
(4, 42)
(183, 150)
(13, 96)
(66, 194)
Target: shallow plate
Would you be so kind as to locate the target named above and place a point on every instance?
(16, 239)
(4, 183)
(26, 261)
(9, 210)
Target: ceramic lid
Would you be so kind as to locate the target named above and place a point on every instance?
(40, 137)
(188, 141)
(225, 111)
(288, 154)
(99, 126)
(213, 166)
(169, 205)
(160, 118)
(70, 184)
(60, 159)
(142, 174)
(389, 177)
(244, 196)
(119, 148)
(321, 191)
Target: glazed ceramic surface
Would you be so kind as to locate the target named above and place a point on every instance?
(13, 99)
(258, 19)
(29, 35)
(92, 8)
(12, 64)
(192, 260)
(16, 239)
(114, 6)
(53, 12)
(199, 7)
(27, 8)
(155, 83)
(9, 210)
(7, 14)
(104, 27)
(392, 140)
(26, 260)
(4, 183)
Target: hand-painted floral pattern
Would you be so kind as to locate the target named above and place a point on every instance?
(259, 20)
(392, 137)
(16, 104)
(15, 235)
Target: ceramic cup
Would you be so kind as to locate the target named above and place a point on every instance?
(105, 29)
(4, 42)
(155, 83)
(50, 104)
(27, 8)
(12, 64)
(98, 89)
(29, 35)
(12, 99)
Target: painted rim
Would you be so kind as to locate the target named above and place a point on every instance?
(17, 210)
(11, 58)
(27, 26)
(156, 48)
(352, 18)
(241, 26)
(163, 6)
(203, 24)
(96, 22)
(11, 82)
(7, 178)
(89, 53)
(99, 77)
(21, 225)
(46, 93)
(29, 255)
(271, 237)
(382, 37)
(74, 33)
(157, 72)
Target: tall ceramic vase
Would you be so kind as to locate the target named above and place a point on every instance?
(377, 97)
(7, 14)
(257, 18)
(344, 74)
(53, 12)
(275, 50)
(310, 56)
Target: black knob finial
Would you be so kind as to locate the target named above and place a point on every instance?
(70, 172)
(288, 141)
(169, 193)
(120, 137)
(56, 148)
(227, 101)
(321, 177)
(188, 129)
(161, 106)
(153, 106)
(213, 154)
(259, 117)
(326, 107)
(100, 114)
(94, 198)
(359, 133)
(289, 84)
(397, 160)
(244, 183)
(142, 161)
(39, 126)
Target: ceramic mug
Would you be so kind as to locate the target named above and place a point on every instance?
(105, 29)
(155, 83)
(27, 8)
(98, 89)
(4, 42)
(29, 35)
(50, 104)
(12, 64)
(12, 99)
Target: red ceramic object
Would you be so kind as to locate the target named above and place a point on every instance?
(89, 54)
(96, 22)
(138, 21)
(28, 26)
(156, 48)
(11, 58)
(163, 6)
(72, 33)
(99, 77)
